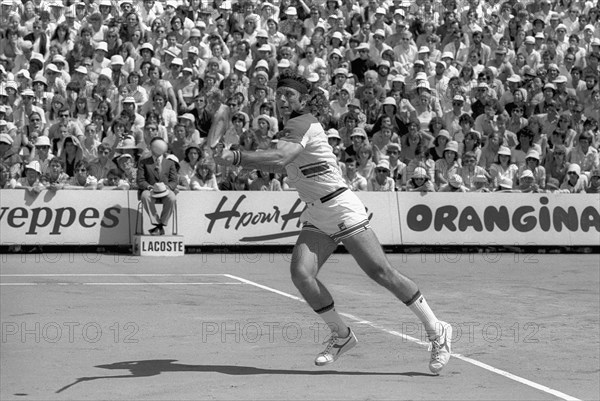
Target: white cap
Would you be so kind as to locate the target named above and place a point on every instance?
(241, 66)
(102, 46)
(117, 59)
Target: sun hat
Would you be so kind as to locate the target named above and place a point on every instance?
(389, 101)
(147, 46)
(333, 133)
(262, 63)
(355, 103)
(173, 158)
(574, 168)
(188, 116)
(159, 190)
(24, 73)
(240, 65)
(393, 146)
(124, 156)
(52, 68)
(505, 151)
(261, 33)
(35, 166)
(362, 46)
(561, 79)
(283, 63)
(451, 145)
(506, 183)
(40, 79)
(5, 138)
(532, 154)
(420, 173)
(526, 173)
(455, 181)
(42, 141)
(117, 59)
(102, 46)
(383, 163)
(358, 131)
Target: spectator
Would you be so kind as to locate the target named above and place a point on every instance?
(503, 167)
(263, 181)
(527, 182)
(420, 181)
(594, 185)
(41, 153)
(556, 163)
(441, 139)
(9, 156)
(6, 182)
(575, 182)
(81, 178)
(585, 155)
(490, 150)
(382, 180)
(455, 184)
(532, 162)
(156, 180)
(31, 181)
(127, 170)
(204, 178)
(366, 165)
(398, 169)
(100, 167)
(114, 180)
(422, 159)
(354, 180)
(448, 165)
(469, 170)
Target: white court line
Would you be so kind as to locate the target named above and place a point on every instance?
(485, 366)
(122, 284)
(111, 275)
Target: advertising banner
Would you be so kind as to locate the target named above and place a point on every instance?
(499, 219)
(269, 218)
(273, 218)
(76, 217)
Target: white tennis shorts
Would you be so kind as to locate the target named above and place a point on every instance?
(339, 218)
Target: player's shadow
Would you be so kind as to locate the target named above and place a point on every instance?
(154, 367)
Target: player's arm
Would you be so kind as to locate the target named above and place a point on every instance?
(270, 159)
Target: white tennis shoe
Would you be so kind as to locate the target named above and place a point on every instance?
(336, 346)
(441, 349)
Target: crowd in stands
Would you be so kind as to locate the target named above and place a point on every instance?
(421, 95)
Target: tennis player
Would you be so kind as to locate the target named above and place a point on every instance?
(333, 215)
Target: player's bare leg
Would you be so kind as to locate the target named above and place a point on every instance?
(310, 253)
(367, 251)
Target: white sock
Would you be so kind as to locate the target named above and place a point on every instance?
(418, 305)
(334, 321)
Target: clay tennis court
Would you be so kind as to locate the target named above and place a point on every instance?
(216, 326)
